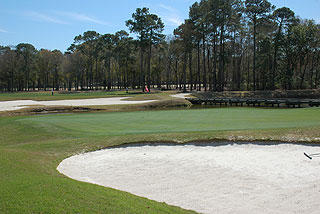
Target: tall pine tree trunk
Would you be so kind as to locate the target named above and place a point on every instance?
(214, 61)
(254, 54)
(221, 61)
(149, 67)
(204, 62)
(141, 70)
(109, 72)
(199, 72)
(185, 71)
(190, 70)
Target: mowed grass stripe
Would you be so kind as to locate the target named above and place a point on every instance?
(216, 119)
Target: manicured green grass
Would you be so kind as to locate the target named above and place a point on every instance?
(31, 147)
(215, 119)
(58, 95)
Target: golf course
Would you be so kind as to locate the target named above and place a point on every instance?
(32, 146)
(160, 107)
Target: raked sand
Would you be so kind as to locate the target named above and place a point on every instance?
(19, 104)
(225, 178)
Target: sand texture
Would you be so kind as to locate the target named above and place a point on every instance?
(237, 178)
(181, 95)
(19, 104)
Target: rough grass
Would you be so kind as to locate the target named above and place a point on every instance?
(31, 147)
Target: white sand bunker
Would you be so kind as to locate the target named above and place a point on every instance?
(181, 95)
(239, 178)
(19, 104)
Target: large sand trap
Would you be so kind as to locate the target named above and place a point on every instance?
(239, 178)
(19, 104)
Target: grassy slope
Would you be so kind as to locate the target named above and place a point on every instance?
(31, 147)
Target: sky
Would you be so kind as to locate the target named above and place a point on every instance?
(53, 24)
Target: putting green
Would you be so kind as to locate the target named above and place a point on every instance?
(215, 119)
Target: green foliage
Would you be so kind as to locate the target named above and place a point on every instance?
(149, 28)
(221, 46)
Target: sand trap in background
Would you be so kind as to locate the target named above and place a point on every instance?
(239, 178)
(19, 104)
(181, 95)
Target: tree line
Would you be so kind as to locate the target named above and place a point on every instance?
(223, 45)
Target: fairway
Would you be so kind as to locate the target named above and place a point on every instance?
(31, 148)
